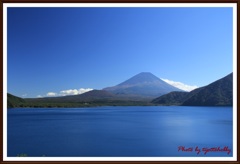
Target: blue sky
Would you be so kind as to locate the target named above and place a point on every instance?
(56, 49)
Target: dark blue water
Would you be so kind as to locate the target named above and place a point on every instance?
(119, 131)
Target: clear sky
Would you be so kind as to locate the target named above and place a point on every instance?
(56, 49)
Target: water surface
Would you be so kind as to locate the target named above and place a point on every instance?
(152, 131)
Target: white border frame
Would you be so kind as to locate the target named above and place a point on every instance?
(233, 5)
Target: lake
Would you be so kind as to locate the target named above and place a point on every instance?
(150, 131)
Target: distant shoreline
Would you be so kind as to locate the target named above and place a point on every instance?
(57, 107)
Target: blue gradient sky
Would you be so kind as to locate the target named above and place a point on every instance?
(54, 49)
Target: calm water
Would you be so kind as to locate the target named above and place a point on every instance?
(119, 131)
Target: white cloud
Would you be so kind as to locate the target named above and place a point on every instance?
(39, 96)
(74, 91)
(51, 94)
(83, 90)
(67, 92)
(180, 85)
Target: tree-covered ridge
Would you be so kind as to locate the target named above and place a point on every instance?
(14, 101)
(218, 93)
(172, 98)
(88, 99)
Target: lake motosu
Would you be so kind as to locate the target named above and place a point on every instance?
(150, 131)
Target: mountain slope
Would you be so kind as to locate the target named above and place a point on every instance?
(172, 98)
(14, 101)
(217, 93)
(142, 85)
